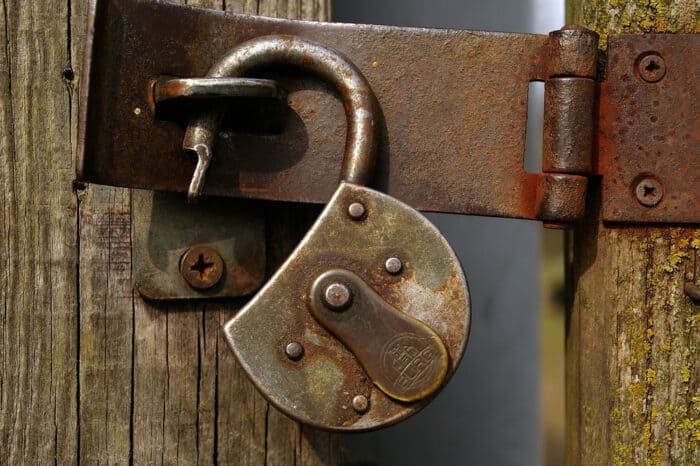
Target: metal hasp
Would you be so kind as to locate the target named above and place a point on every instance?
(452, 121)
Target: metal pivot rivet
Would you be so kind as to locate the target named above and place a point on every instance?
(393, 265)
(649, 192)
(294, 350)
(337, 296)
(356, 210)
(201, 267)
(360, 403)
(652, 68)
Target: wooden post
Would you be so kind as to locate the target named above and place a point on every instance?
(633, 337)
(90, 372)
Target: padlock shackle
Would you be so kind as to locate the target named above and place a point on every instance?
(359, 102)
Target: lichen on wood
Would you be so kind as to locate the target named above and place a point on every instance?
(633, 347)
(633, 362)
(635, 16)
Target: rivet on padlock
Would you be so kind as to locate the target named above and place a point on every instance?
(373, 339)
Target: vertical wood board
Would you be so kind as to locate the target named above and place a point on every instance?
(633, 369)
(89, 371)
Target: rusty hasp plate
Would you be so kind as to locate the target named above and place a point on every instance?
(649, 135)
(371, 308)
(453, 103)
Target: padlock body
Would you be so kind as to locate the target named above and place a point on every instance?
(321, 385)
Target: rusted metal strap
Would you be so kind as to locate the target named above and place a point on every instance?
(454, 109)
(453, 116)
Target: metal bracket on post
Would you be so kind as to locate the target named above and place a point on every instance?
(215, 249)
(649, 131)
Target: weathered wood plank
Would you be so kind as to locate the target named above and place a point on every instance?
(38, 329)
(106, 325)
(89, 371)
(190, 403)
(633, 388)
(633, 370)
(106, 310)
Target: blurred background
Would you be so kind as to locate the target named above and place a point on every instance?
(505, 405)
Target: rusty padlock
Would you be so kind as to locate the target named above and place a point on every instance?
(369, 316)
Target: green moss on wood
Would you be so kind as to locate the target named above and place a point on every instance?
(642, 431)
(635, 16)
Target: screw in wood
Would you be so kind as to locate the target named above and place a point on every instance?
(201, 267)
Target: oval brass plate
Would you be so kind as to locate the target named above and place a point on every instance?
(318, 388)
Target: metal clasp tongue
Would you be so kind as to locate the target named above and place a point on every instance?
(358, 100)
(199, 139)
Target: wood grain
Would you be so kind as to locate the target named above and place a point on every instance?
(38, 241)
(89, 371)
(633, 338)
(632, 348)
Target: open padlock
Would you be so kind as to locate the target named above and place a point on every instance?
(370, 315)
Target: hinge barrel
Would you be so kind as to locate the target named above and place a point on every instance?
(567, 146)
(568, 125)
(572, 52)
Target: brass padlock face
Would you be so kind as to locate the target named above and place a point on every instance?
(321, 382)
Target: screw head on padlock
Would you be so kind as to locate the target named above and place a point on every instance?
(369, 317)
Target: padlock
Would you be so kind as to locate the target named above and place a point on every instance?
(369, 316)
